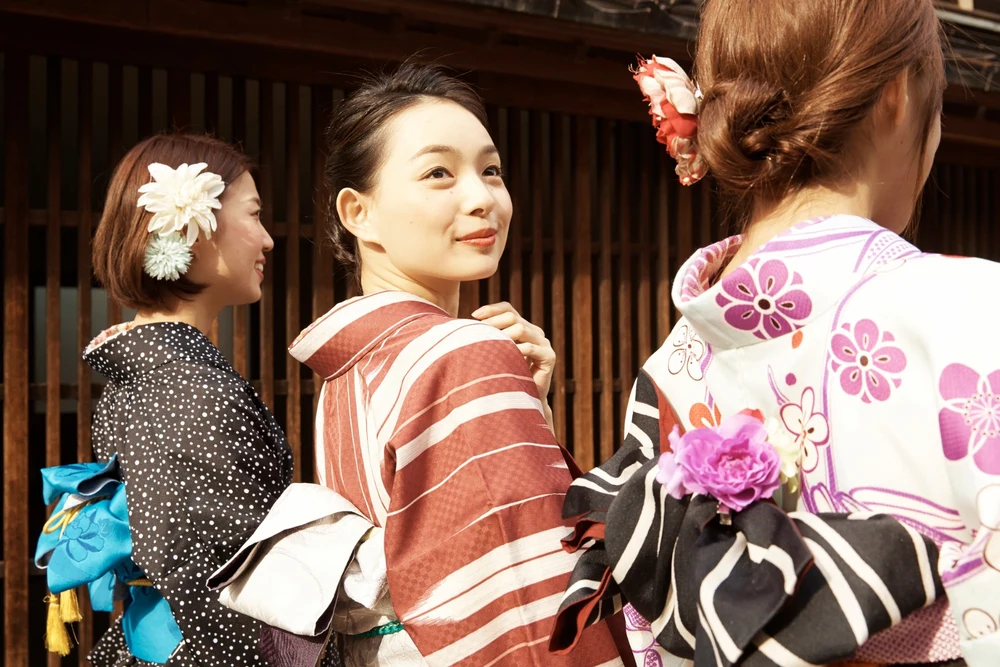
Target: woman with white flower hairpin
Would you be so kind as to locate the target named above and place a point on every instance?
(190, 459)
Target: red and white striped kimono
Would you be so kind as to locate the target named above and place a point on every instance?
(432, 427)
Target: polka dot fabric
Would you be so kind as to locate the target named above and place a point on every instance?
(203, 461)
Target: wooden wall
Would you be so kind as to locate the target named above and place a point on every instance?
(600, 228)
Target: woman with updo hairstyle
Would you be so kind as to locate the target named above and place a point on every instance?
(433, 428)
(834, 365)
(188, 458)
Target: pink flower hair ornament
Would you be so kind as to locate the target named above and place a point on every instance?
(673, 104)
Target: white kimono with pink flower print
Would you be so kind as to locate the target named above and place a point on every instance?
(884, 363)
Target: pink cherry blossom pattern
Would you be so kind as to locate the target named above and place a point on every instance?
(809, 426)
(970, 416)
(869, 365)
(764, 298)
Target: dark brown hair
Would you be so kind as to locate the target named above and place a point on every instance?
(357, 134)
(786, 83)
(120, 243)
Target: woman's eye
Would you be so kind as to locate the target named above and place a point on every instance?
(494, 170)
(440, 172)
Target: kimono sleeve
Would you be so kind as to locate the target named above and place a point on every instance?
(966, 369)
(200, 475)
(472, 539)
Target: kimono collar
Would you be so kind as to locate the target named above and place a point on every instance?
(124, 353)
(334, 343)
(795, 277)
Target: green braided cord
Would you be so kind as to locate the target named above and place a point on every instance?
(388, 629)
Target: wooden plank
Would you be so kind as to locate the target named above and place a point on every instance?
(293, 406)
(53, 242)
(515, 252)
(84, 451)
(493, 282)
(664, 175)
(266, 326)
(539, 186)
(116, 150)
(241, 314)
(144, 104)
(626, 162)
(212, 111)
(605, 288)
(583, 362)
(15, 367)
(179, 99)
(559, 178)
(643, 296)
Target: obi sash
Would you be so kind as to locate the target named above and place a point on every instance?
(87, 542)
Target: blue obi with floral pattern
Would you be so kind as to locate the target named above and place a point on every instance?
(87, 542)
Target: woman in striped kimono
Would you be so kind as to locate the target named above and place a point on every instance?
(431, 426)
(870, 363)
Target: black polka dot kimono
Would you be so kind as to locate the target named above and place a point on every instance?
(203, 460)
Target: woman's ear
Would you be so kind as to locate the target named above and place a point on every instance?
(895, 101)
(354, 210)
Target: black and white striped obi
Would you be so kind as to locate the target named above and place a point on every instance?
(770, 589)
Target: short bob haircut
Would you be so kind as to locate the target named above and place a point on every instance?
(120, 243)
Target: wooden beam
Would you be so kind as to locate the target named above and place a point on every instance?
(324, 34)
(15, 364)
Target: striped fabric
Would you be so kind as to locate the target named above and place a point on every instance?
(782, 589)
(433, 428)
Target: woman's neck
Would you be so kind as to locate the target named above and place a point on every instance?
(808, 204)
(197, 313)
(443, 294)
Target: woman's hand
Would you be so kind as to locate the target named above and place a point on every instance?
(530, 340)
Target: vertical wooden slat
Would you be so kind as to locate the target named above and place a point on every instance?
(946, 202)
(145, 102)
(559, 416)
(212, 120)
(53, 242)
(626, 140)
(293, 404)
(468, 298)
(664, 273)
(493, 282)
(116, 149)
(516, 241)
(15, 368)
(240, 313)
(179, 99)
(643, 296)
(267, 196)
(583, 362)
(322, 296)
(83, 332)
(685, 221)
(536, 159)
(604, 294)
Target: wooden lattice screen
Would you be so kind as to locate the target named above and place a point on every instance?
(600, 228)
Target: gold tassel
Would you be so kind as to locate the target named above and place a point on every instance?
(56, 636)
(69, 607)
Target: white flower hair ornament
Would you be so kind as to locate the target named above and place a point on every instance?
(183, 203)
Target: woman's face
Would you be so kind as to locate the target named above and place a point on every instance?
(439, 212)
(231, 263)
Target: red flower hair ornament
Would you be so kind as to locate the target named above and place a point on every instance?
(673, 104)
